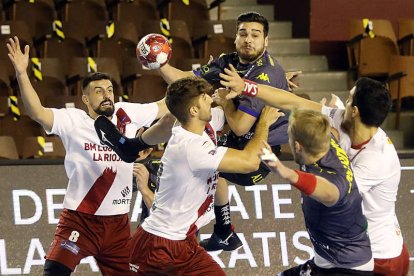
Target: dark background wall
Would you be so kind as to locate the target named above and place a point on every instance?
(326, 22)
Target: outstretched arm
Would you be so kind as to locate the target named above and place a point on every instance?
(34, 108)
(128, 148)
(270, 95)
(171, 74)
(314, 186)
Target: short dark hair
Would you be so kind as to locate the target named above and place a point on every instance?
(373, 101)
(254, 17)
(182, 93)
(94, 77)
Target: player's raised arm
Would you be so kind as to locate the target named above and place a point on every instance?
(272, 96)
(31, 101)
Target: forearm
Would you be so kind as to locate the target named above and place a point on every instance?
(147, 197)
(160, 132)
(29, 96)
(171, 74)
(230, 112)
(314, 186)
(284, 100)
(261, 134)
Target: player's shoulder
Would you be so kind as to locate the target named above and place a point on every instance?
(72, 112)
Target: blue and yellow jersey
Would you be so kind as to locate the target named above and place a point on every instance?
(266, 70)
(338, 233)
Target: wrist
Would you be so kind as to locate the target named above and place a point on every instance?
(250, 88)
(306, 182)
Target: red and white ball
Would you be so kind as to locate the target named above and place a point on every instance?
(154, 51)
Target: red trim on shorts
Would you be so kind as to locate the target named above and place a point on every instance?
(97, 192)
(397, 266)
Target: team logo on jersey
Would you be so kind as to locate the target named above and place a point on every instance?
(263, 77)
(133, 267)
(103, 135)
(125, 191)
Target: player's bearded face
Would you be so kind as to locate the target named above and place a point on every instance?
(105, 108)
(250, 41)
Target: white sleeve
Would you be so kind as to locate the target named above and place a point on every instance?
(64, 120)
(202, 154)
(140, 114)
(335, 116)
(217, 118)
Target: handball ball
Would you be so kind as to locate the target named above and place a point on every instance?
(154, 51)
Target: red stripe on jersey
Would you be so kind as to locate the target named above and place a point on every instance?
(97, 192)
(211, 133)
(122, 120)
(203, 208)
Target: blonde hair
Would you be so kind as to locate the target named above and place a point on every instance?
(311, 129)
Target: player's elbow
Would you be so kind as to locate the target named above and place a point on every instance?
(240, 130)
(250, 164)
(331, 198)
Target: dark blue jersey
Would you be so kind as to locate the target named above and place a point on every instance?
(338, 233)
(264, 71)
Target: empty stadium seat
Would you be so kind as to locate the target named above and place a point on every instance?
(371, 56)
(142, 85)
(8, 149)
(53, 80)
(78, 68)
(406, 36)
(133, 11)
(193, 13)
(214, 37)
(83, 11)
(120, 45)
(401, 82)
(19, 130)
(10, 29)
(48, 147)
(37, 14)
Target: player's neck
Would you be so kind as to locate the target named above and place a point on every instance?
(361, 133)
(309, 159)
(94, 115)
(195, 126)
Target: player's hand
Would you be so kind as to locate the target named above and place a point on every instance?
(20, 60)
(143, 153)
(273, 163)
(335, 102)
(219, 96)
(141, 175)
(271, 114)
(291, 78)
(232, 81)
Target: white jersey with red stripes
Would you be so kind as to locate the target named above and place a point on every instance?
(100, 183)
(377, 173)
(187, 181)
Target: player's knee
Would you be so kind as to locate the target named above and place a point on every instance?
(53, 268)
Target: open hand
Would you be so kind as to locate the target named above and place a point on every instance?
(20, 60)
